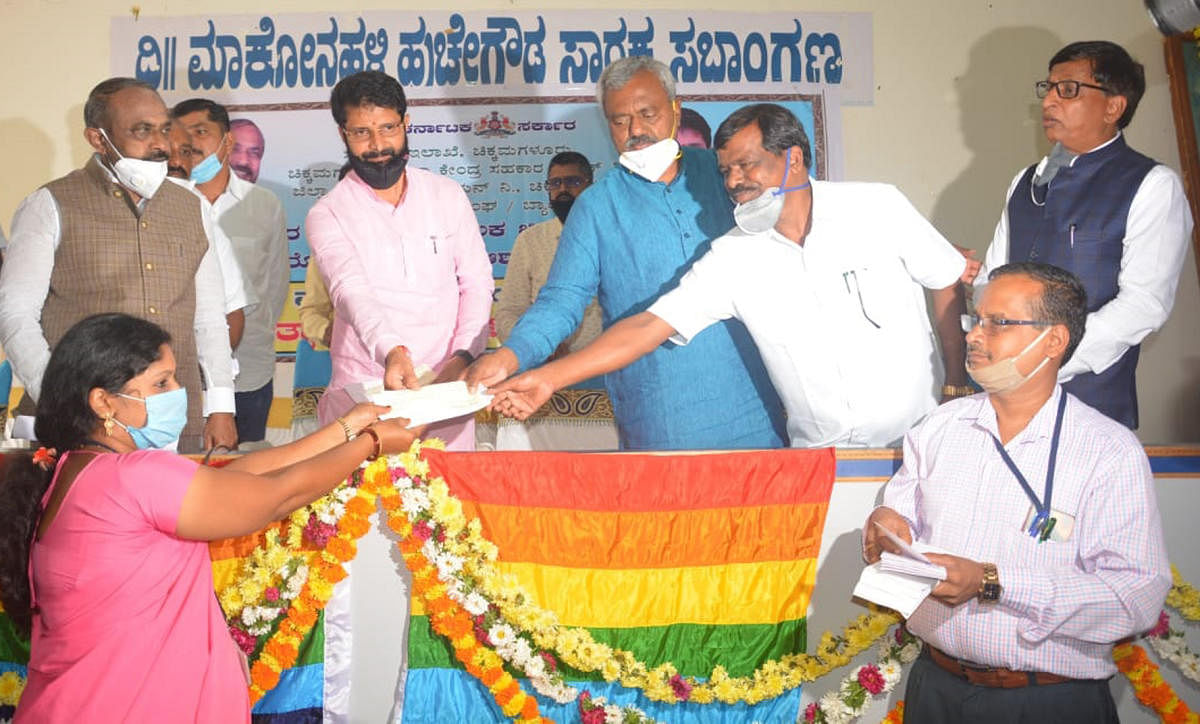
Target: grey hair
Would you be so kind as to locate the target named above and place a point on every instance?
(617, 75)
(95, 110)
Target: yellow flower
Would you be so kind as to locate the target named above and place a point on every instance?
(610, 670)
(11, 686)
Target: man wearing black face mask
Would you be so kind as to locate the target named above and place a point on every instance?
(533, 251)
(400, 252)
(112, 237)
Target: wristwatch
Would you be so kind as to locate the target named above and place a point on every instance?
(957, 390)
(989, 587)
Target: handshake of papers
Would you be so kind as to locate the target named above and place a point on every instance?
(431, 403)
(901, 581)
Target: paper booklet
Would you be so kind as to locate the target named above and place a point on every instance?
(901, 582)
(431, 403)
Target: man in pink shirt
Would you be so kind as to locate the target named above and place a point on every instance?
(400, 252)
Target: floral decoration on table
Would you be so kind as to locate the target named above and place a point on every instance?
(1183, 597)
(495, 628)
(860, 688)
(12, 685)
(1171, 645)
(896, 715)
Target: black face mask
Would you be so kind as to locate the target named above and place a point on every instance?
(561, 206)
(380, 175)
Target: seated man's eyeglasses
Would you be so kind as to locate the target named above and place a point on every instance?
(384, 130)
(1066, 89)
(570, 182)
(995, 325)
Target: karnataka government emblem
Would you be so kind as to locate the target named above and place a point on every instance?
(494, 126)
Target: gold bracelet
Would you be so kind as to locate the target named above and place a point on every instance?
(378, 443)
(346, 429)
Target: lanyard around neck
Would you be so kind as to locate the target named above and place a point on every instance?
(1042, 522)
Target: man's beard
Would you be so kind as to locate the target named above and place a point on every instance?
(376, 173)
(561, 205)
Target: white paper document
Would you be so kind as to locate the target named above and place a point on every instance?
(901, 592)
(431, 403)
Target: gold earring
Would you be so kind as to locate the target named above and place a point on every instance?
(108, 425)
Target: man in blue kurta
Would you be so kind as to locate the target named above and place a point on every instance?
(628, 239)
(1116, 219)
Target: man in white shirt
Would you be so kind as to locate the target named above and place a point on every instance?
(179, 168)
(252, 219)
(112, 237)
(828, 277)
(1116, 219)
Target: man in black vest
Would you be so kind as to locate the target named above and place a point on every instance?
(1116, 219)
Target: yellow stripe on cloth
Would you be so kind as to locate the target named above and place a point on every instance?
(736, 593)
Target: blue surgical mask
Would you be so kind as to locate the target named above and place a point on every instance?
(207, 169)
(166, 415)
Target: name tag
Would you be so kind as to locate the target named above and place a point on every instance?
(1064, 524)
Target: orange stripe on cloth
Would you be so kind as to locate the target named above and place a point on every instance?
(238, 547)
(638, 482)
(589, 539)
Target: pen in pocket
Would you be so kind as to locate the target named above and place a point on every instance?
(1072, 236)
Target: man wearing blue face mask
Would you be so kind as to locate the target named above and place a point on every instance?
(629, 237)
(112, 237)
(829, 278)
(251, 218)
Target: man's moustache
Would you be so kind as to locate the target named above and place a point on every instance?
(640, 140)
(564, 196)
(157, 156)
(739, 190)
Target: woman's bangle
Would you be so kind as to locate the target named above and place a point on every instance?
(350, 435)
(369, 430)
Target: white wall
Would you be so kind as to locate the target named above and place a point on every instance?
(953, 119)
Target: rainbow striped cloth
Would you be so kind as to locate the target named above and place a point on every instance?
(698, 560)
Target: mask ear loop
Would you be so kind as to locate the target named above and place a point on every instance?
(787, 167)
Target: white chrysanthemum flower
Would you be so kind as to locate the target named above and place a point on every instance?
(250, 615)
(892, 671)
(259, 629)
(502, 635)
(475, 604)
(429, 549)
(909, 653)
(613, 714)
(522, 653)
(270, 613)
(403, 483)
(831, 704)
(535, 667)
(414, 501)
(448, 564)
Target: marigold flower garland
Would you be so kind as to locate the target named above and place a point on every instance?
(1149, 687)
(12, 685)
(858, 690)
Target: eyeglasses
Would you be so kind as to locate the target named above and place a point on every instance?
(570, 182)
(1066, 89)
(383, 130)
(995, 325)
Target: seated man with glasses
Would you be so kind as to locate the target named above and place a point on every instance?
(1049, 510)
(1116, 219)
(533, 251)
(400, 252)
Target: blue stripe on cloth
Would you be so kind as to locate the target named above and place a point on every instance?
(6, 666)
(451, 696)
(300, 687)
(302, 716)
(877, 468)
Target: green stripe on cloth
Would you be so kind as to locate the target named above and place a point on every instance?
(14, 648)
(742, 648)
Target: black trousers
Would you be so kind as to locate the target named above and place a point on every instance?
(935, 696)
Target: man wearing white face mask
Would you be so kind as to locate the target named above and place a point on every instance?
(1049, 508)
(251, 218)
(630, 236)
(830, 280)
(112, 237)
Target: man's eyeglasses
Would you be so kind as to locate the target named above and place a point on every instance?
(569, 182)
(995, 325)
(383, 130)
(1066, 89)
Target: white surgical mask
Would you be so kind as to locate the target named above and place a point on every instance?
(1003, 376)
(652, 161)
(139, 176)
(762, 212)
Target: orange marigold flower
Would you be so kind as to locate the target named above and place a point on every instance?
(359, 506)
(342, 549)
(530, 709)
(491, 675)
(333, 574)
(1157, 697)
(514, 704)
(304, 620)
(263, 677)
(354, 526)
(502, 684)
(390, 500)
